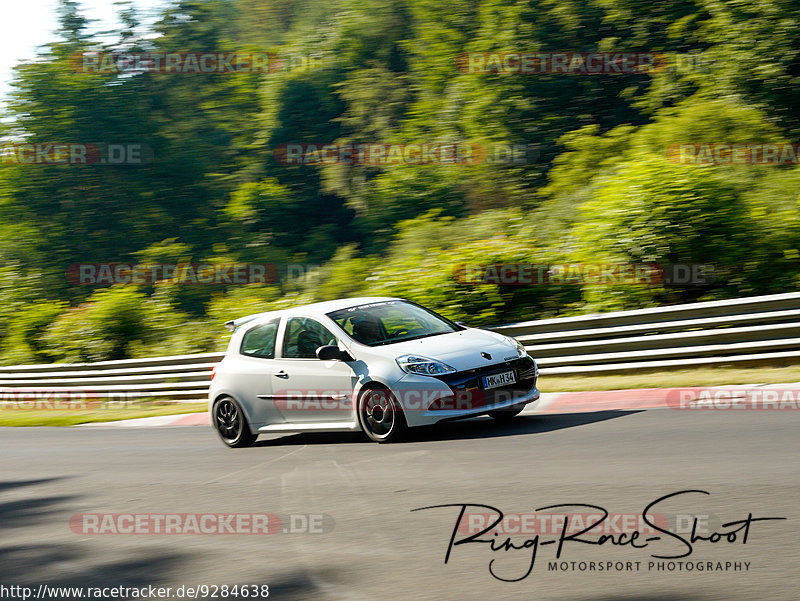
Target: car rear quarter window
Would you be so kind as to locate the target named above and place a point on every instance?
(260, 340)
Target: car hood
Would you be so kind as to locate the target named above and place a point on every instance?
(461, 350)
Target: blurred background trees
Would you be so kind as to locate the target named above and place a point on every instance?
(385, 71)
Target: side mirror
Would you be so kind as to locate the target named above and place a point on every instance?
(330, 351)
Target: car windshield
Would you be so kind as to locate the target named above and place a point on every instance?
(387, 322)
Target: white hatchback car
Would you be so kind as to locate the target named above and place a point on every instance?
(379, 365)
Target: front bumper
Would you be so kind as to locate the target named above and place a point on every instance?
(449, 415)
(427, 399)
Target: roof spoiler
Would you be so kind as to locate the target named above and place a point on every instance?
(235, 323)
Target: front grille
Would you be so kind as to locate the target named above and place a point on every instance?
(469, 394)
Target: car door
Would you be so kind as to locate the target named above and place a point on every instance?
(306, 389)
(254, 372)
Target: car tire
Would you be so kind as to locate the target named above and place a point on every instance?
(231, 424)
(380, 416)
(506, 415)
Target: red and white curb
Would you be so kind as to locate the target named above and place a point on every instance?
(549, 402)
(720, 397)
(603, 400)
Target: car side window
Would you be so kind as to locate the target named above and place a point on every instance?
(304, 336)
(260, 341)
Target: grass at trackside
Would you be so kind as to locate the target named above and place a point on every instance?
(72, 417)
(701, 376)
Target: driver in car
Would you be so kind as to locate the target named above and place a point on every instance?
(367, 329)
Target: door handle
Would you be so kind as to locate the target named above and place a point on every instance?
(281, 374)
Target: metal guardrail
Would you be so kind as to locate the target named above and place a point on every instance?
(758, 329)
(743, 331)
(178, 378)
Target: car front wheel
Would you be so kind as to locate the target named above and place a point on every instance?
(380, 416)
(231, 424)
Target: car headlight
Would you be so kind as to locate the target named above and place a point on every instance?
(416, 364)
(521, 352)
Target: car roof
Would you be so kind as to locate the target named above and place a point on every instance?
(316, 308)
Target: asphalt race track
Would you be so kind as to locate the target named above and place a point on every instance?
(373, 546)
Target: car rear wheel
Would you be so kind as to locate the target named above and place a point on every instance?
(231, 424)
(380, 416)
(504, 415)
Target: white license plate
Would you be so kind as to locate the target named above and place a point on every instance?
(501, 379)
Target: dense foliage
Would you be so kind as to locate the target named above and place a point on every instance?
(595, 185)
